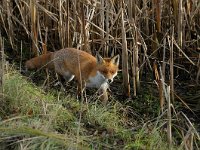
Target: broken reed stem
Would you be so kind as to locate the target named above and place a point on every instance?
(158, 80)
(166, 92)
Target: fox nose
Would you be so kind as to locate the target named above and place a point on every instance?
(110, 80)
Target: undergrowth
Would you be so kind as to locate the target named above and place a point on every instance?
(33, 119)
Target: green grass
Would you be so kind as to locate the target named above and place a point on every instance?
(31, 115)
(33, 119)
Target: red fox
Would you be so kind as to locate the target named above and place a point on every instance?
(88, 71)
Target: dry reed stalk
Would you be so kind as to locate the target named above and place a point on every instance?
(169, 118)
(132, 46)
(191, 135)
(159, 77)
(2, 15)
(171, 61)
(130, 10)
(135, 52)
(109, 33)
(175, 12)
(20, 7)
(164, 63)
(133, 68)
(184, 29)
(61, 25)
(186, 140)
(2, 69)
(77, 40)
(34, 28)
(191, 141)
(44, 47)
(146, 17)
(46, 19)
(107, 6)
(190, 124)
(10, 23)
(68, 24)
(85, 45)
(146, 58)
(166, 93)
(44, 44)
(20, 64)
(184, 54)
(125, 73)
(198, 72)
(86, 25)
(40, 38)
(180, 25)
(102, 20)
(157, 4)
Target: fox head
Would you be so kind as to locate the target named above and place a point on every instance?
(108, 67)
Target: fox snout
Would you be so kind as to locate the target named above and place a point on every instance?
(110, 81)
(106, 78)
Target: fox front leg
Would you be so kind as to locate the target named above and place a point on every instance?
(81, 94)
(104, 97)
(103, 93)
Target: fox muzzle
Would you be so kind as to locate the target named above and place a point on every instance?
(110, 81)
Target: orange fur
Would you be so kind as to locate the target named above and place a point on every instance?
(40, 61)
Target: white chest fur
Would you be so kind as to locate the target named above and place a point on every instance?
(96, 81)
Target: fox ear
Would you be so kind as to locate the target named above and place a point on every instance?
(115, 60)
(99, 58)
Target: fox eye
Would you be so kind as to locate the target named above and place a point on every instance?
(112, 72)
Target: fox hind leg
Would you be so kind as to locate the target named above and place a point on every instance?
(67, 76)
(63, 79)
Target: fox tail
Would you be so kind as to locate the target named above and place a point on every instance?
(40, 62)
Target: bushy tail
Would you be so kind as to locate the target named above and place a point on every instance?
(40, 62)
